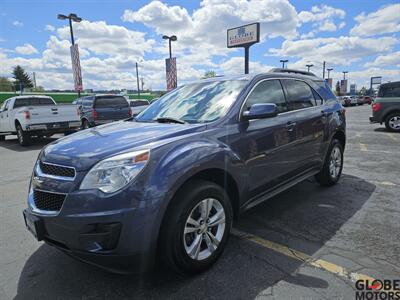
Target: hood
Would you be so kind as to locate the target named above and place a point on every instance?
(85, 148)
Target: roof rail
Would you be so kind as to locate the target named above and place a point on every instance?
(280, 70)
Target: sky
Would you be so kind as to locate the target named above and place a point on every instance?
(361, 37)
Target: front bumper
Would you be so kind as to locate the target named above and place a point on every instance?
(99, 239)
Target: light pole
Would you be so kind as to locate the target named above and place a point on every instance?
(329, 71)
(309, 66)
(344, 74)
(283, 61)
(137, 80)
(71, 17)
(170, 39)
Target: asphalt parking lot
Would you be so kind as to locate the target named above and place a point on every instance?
(307, 243)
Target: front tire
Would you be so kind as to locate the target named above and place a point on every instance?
(333, 165)
(195, 230)
(2, 138)
(24, 139)
(392, 122)
(85, 124)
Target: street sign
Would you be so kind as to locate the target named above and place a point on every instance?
(243, 36)
(76, 67)
(171, 76)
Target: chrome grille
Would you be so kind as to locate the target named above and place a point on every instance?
(48, 201)
(56, 170)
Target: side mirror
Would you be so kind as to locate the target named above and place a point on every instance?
(260, 111)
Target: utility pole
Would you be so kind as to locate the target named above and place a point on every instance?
(283, 61)
(323, 70)
(309, 66)
(137, 81)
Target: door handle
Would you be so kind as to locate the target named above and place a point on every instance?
(290, 125)
(324, 113)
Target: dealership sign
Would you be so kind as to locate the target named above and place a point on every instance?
(243, 36)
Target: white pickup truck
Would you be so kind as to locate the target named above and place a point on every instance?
(33, 115)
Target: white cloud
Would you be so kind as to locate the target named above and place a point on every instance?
(235, 65)
(26, 49)
(102, 38)
(323, 18)
(206, 27)
(49, 28)
(391, 60)
(17, 23)
(384, 20)
(342, 50)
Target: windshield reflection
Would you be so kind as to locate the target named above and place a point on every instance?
(195, 103)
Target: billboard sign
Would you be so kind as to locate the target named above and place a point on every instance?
(171, 74)
(343, 87)
(242, 36)
(76, 67)
(353, 88)
(376, 80)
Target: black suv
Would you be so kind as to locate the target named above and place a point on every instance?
(170, 181)
(101, 109)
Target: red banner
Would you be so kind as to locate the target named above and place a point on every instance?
(76, 67)
(171, 75)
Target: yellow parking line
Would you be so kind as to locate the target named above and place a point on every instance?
(298, 255)
(391, 135)
(363, 147)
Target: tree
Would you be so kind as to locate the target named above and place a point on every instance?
(209, 74)
(363, 91)
(337, 88)
(5, 85)
(22, 79)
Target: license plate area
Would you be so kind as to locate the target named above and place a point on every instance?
(34, 225)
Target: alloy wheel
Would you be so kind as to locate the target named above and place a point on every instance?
(394, 122)
(204, 229)
(335, 162)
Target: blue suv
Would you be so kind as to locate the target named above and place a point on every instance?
(168, 183)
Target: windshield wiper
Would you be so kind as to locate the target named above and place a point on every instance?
(170, 120)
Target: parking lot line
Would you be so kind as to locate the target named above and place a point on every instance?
(391, 135)
(363, 147)
(298, 255)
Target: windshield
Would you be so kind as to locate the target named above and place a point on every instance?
(195, 103)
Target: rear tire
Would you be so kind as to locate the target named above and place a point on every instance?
(24, 139)
(333, 165)
(392, 122)
(201, 216)
(85, 124)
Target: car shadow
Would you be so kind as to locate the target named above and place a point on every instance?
(383, 129)
(304, 218)
(11, 143)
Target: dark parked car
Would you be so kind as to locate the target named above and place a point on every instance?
(137, 106)
(101, 109)
(386, 106)
(170, 182)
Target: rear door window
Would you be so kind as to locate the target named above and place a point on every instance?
(111, 101)
(21, 102)
(299, 94)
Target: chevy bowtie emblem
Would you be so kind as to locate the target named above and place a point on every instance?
(37, 180)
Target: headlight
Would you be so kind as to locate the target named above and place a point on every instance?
(112, 174)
